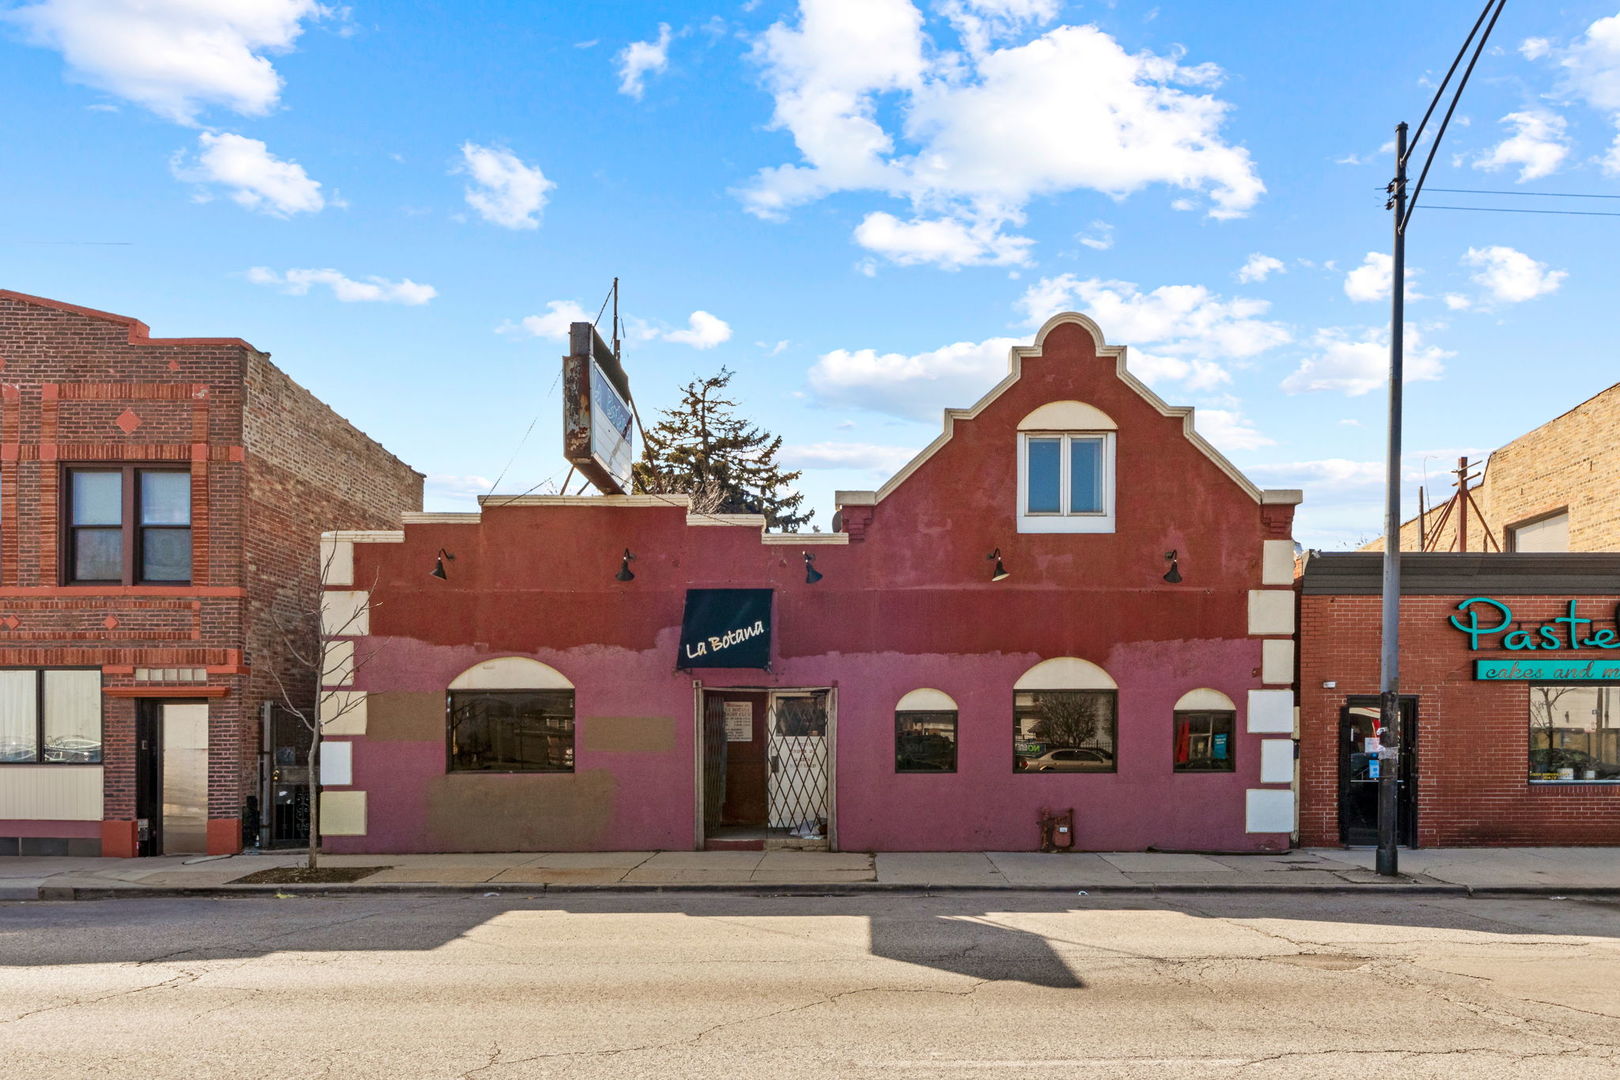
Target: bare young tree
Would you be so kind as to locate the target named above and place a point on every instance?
(308, 629)
(1066, 719)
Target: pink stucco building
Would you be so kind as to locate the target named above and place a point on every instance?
(1067, 600)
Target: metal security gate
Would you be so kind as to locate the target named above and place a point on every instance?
(798, 753)
(286, 792)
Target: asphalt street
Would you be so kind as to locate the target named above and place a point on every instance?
(713, 985)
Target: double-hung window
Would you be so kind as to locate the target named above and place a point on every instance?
(127, 525)
(1066, 481)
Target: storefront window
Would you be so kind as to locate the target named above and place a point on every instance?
(1064, 730)
(924, 741)
(1574, 733)
(1204, 741)
(51, 716)
(511, 731)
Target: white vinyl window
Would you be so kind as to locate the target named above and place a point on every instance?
(1066, 481)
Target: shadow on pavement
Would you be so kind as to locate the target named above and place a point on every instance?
(952, 932)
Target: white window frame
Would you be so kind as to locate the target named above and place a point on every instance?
(1064, 521)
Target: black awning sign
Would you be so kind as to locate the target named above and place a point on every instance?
(726, 628)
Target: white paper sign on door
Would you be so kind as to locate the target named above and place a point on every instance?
(739, 721)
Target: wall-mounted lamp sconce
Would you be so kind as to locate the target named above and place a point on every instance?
(1173, 575)
(625, 573)
(811, 574)
(438, 565)
(1000, 572)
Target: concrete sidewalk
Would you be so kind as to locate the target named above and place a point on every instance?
(1455, 870)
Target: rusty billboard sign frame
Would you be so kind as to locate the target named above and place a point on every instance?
(597, 415)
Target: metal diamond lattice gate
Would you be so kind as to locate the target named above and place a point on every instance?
(797, 750)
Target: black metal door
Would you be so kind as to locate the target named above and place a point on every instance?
(148, 780)
(289, 793)
(1358, 773)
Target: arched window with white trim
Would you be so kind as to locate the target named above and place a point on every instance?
(1065, 718)
(1066, 469)
(1204, 732)
(510, 714)
(925, 732)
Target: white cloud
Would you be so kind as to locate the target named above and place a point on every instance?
(1334, 472)
(1510, 276)
(946, 242)
(1100, 237)
(1374, 277)
(1538, 146)
(1228, 430)
(915, 386)
(703, 331)
(553, 325)
(886, 460)
(977, 134)
(175, 57)
(640, 59)
(1357, 362)
(1458, 302)
(1179, 333)
(504, 190)
(1259, 267)
(257, 179)
(1591, 72)
(459, 492)
(346, 289)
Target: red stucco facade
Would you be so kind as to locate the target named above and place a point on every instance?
(905, 602)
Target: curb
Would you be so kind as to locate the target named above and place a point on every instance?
(838, 889)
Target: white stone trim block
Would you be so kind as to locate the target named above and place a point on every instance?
(1276, 761)
(1271, 611)
(343, 813)
(337, 561)
(346, 614)
(1277, 661)
(1271, 712)
(337, 763)
(1268, 810)
(337, 666)
(1277, 562)
(343, 712)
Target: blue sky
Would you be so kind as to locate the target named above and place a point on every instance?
(855, 204)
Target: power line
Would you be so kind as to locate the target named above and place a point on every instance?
(1542, 194)
(1517, 210)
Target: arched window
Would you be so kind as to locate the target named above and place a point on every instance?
(925, 732)
(510, 714)
(1065, 718)
(1066, 469)
(1204, 732)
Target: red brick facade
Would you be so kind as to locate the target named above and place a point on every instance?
(271, 468)
(1473, 782)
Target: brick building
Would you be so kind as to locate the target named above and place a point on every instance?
(1556, 488)
(1510, 679)
(1069, 600)
(161, 501)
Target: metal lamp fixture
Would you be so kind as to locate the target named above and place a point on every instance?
(1000, 572)
(1173, 575)
(625, 573)
(811, 574)
(438, 565)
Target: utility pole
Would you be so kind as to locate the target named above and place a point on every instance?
(1389, 667)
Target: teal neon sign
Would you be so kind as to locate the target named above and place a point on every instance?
(1544, 669)
(1484, 618)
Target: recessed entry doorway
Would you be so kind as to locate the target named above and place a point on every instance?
(1358, 773)
(171, 778)
(765, 769)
